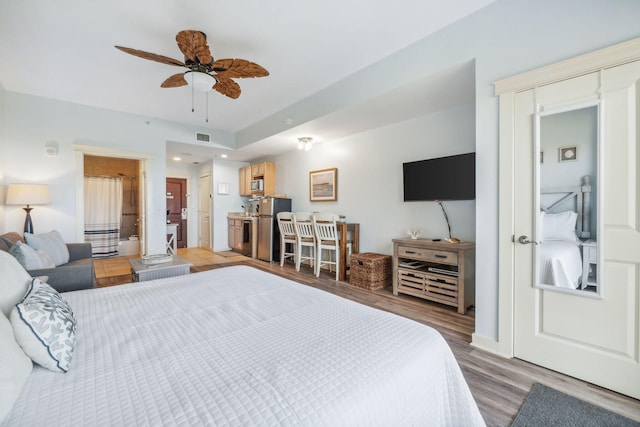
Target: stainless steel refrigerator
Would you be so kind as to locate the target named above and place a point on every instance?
(268, 232)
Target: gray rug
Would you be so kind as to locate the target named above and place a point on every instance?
(545, 406)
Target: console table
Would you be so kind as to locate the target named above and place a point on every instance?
(437, 271)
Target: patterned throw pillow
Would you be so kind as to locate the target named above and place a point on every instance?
(31, 259)
(45, 327)
(52, 243)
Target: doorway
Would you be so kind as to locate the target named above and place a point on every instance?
(581, 323)
(113, 210)
(204, 211)
(177, 213)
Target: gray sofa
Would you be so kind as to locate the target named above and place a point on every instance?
(77, 274)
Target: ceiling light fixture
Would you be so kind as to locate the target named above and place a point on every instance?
(305, 143)
(202, 82)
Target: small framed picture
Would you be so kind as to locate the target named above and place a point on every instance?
(568, 154)
(223, 188)
(323, 185)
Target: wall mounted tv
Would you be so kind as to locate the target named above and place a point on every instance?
(443, 178)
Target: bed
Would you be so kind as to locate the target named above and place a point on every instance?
(564, 218)
(239, 346)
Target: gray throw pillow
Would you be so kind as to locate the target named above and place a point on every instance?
(29, 258)
(52, 243)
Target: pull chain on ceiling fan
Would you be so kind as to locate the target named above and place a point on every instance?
(205, 73)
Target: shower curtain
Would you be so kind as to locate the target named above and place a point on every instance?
(102, 211)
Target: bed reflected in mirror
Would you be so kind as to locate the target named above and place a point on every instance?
(568, 246)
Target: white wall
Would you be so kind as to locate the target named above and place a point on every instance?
(3, 158)
(225, 172)
(370, 178)
(31, 121)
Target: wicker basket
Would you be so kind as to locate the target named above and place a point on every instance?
(370, 271)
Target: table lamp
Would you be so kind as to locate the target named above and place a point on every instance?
(28, 194)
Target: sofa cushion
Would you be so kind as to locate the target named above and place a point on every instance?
(52, 243)
(45, 327)
(72, 276)
(14, 284)
(15, 367)
(30, 258)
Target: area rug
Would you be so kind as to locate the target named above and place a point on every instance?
(545, 406)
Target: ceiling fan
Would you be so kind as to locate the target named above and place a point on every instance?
(204, 73)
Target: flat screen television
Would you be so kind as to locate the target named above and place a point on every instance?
(443, 178)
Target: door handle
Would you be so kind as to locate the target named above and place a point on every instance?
(525, 240)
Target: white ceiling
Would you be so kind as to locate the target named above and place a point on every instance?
(64, 50)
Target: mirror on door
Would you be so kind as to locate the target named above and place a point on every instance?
(568, 241)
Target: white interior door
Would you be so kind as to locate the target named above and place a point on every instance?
(204, 211)
(594, 336)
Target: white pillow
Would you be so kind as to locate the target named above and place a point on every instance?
(14, 282)
(561, 226)
(52, 243)
(45, 327)
(15, 367)
(29, 258)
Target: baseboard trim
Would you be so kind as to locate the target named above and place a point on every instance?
(487, 344)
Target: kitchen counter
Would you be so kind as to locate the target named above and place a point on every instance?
(242, 216)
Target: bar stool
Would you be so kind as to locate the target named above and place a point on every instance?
(305, 237)
(324, 225)
(287, 236)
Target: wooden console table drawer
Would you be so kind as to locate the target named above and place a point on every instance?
(440, 271)
(443, 257)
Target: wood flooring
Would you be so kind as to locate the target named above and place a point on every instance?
(498, 385)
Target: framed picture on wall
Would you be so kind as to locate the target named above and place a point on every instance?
(323, 185)
(568, 154)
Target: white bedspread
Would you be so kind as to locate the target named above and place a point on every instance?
(560, 264)
(237, 346)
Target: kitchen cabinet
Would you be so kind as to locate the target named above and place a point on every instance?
(239, 235)
(437, 271)
(265, 171)
(245, 181)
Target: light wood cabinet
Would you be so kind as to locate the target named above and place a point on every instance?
(437, 271)
(257, 170)
(245, 181)
(238, 235)
(266, 171)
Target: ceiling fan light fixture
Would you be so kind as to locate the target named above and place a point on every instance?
(201, 82)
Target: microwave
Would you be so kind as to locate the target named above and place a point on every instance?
(257, 185)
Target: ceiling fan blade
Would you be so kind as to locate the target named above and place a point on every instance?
(227, 87)
(194, 46)
(176, 80)
(239, 68)
(151, 56)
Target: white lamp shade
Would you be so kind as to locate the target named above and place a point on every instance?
(28, 194)
(202, 82)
